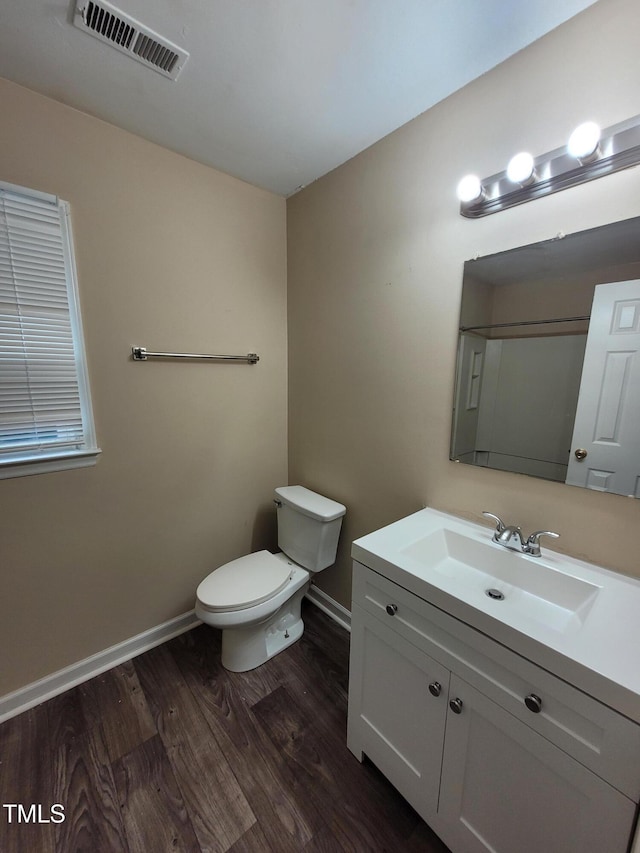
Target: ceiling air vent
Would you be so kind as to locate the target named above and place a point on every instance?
(129, 36)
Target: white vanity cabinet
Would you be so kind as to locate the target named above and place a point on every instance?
(397, 709)
(495, 753)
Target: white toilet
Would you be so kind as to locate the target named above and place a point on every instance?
(256, 599)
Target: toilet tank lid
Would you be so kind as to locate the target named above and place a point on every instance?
(310, 503)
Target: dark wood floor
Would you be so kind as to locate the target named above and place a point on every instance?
(170, 752)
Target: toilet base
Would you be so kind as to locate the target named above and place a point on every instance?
(249, 646)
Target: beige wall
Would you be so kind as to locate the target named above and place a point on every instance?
(173, 256)
(375, 257)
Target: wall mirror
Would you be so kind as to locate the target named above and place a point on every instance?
(548, 367)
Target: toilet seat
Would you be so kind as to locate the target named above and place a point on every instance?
(243, 583)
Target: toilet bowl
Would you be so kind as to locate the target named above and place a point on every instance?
(254, 629)
(256, 599)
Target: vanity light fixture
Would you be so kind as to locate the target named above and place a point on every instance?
(590, 153)
(521, 169)
(584, 142)
(470, 189)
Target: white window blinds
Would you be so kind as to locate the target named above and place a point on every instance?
(45, 409)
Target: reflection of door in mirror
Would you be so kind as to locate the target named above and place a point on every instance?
(606, 438)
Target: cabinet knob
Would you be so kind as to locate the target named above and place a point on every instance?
(456, 706)
(533, 703)
(435, 688)
(392, 609)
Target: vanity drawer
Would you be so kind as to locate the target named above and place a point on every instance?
(594, 734)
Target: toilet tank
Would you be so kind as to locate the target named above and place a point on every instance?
(308, 526)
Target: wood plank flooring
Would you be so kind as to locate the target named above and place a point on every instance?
(170, 752)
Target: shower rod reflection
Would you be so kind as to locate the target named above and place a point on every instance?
(525, 323)
(142, 354)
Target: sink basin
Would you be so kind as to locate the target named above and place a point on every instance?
(572, 618)
(524, 586)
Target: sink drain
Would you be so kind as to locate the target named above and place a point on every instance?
(495, 594)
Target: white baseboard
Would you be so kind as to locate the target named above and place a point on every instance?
(329, 606)
(52, 685)
(33, 694)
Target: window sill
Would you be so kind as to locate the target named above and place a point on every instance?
(47, 464)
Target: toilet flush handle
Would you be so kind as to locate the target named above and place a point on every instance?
(277, 502)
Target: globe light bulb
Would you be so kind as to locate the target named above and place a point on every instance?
(521, 169)
(470, 189)
(583, 142)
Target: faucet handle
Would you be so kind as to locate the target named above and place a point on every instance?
(500, 525)
(532, 546)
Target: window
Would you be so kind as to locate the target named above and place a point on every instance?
(46, 422)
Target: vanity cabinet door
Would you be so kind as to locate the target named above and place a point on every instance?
(505, 788)
(394, 717)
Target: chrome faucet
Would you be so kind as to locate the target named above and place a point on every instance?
(512, 537)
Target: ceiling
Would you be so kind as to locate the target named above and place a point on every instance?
(276, 92)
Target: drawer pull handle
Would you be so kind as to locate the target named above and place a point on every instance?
(533, 703)
(456, 706)
(435, 688)
(392, 609)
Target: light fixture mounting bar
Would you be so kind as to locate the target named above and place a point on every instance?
(619, 149)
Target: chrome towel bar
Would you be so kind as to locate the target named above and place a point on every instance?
(142, 354)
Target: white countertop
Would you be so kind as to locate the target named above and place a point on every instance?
(597, 650)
